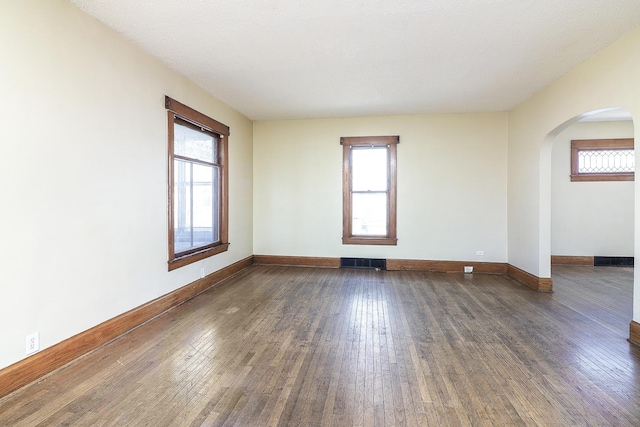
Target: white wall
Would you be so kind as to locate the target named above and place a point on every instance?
(83, 175)
(590, 218)
(609, 79)
(451, 186)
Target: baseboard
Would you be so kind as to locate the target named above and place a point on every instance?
(27, 370)
(446, 266)
(30, 369)
(392, 264)
(634, 333)
(571, 260)
(297, 261)
(540, 284)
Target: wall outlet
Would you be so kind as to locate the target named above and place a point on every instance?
(33, 343)
(202, 273)
(468, 269)
(480, 253)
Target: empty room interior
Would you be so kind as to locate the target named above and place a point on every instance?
(339, 213)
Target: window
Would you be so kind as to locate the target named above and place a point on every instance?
(197, 185)
(369, 190)
(602, 160)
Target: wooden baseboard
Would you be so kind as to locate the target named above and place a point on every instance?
(392, 264)
(571, 260)
(540, 284)
(446, 266)
(298, 261)
(27, 370)
(634, 333)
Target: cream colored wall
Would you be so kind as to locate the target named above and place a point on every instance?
(590, 218)
(83, 175)
(609, 79)
(451, 186)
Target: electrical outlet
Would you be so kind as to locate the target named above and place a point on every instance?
(33, 343)
(480, 253)
(202, 273)
(468, 269)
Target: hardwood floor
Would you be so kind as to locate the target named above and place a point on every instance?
(305, 346)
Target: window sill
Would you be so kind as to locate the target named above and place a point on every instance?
(197, 256)
(361, 240)
(603, 177)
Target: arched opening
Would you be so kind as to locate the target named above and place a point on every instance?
(590, 222)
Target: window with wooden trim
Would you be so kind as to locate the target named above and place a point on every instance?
(369, 190)
(602, 160)
(197, 185)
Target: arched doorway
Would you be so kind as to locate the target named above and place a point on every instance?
(580, 220)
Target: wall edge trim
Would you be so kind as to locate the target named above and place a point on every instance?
(540, 284)
(634, 333)
(571, 260)
(48, 360)
(297, 261)
(392, 264)
(446, 266)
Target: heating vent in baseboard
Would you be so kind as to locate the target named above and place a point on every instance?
(371, 263)
(613, 261)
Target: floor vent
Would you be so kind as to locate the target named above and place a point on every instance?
(613, 261)
(370, 263)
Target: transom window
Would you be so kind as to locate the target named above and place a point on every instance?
(369, 190)
(602, 160)
(197, 185)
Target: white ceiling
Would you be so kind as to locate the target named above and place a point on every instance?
(287, 59)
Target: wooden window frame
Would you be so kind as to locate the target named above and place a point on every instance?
(578, 145)
(391, 142)
(188, 114)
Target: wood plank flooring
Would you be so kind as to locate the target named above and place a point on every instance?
(293, 346)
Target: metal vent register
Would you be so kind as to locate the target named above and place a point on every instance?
(368, 263)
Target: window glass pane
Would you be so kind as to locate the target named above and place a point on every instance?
(606, 161)
(181, 206)
(196, 204)
(202, 205)
(369, 214)
(216, 204)
(188, 142)
(369, 169)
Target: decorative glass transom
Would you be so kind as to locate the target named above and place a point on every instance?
(606, 161)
